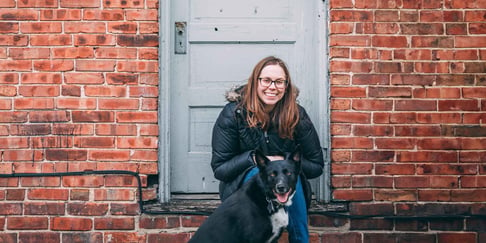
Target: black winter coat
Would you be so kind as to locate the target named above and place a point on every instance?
(234, 142)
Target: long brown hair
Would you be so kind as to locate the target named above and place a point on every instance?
(285, 114)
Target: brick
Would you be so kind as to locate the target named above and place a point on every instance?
(44, 208)
(149, 130)
(353, 195)
(79, 194)
(148, 54)
(18, 14)
(363, 143)
(395, 195)
(94, 40)
(51, 40)
(116, 130)
(94, 142)
(51, 237)
(66, 155)
(349, 237)
(122, 4)
(71, 224)
(8, 91)
(9, 27)
(148, 28)
(469, 42)
(116, 104)
(84, 27)
(395, 169)
(344, 66)
(114, 223)
(84, 78)
(137, 66)
(371, 224)
(446, 169)
(73, 52)
(143, 91)
(27, 223)
(114, 194)
(125, 209)
(373, 156)
(389, 41)
(39, 91)
(372, 182)
(122, 27)
(144, 155)
(456, 237)
(117, 53)
(350, 117)
(40, 27)
(96, 237)
(71, 90)
(22, 155)
(168, 237)
(9, 78)
(428, 156)
(76, 103)
(83, 181)
(92, 116)
(102, 155)
(48, 194)
(40, 78)
(95, 65)
(78, 4)
(105, 14)
(112, 91)
(125, 237)
(142, 15)
(87, 209)
(29, 53)
(8, 208)
(60, 14)
(13, 143)
(49, 116)
(372, 105)
(46, 181)
(17, 65)
(54, 65)
(138, 142)
(137, 117)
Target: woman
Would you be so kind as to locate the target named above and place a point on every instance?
(264, 114)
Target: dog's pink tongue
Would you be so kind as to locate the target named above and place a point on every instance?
(282, 198)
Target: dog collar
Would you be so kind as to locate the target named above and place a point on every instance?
(273, 206)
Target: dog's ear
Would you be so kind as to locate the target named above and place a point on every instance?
(295, 155)
(260, 159)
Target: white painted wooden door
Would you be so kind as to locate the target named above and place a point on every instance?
(216, 43)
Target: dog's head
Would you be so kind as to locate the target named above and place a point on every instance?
(279, 176)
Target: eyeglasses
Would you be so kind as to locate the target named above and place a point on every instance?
(279, 83)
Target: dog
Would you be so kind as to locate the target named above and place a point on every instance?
(256, 212)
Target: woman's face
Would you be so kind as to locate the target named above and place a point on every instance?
(271, 94)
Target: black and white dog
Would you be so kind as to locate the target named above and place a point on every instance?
(256, 212)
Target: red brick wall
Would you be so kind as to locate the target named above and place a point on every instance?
(78, 88)
(408, 89)
(78, 91)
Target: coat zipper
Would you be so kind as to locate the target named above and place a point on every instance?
(266, 137)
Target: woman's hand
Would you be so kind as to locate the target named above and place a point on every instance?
(275, 157)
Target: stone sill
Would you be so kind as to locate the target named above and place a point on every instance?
(206, 204)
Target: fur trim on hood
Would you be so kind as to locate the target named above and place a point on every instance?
(235, 93)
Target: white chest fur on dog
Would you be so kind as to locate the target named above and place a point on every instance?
(279, 220)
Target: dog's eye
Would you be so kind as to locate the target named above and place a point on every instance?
(288, 173)
(273, 174)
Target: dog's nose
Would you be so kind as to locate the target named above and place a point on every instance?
(281, 188)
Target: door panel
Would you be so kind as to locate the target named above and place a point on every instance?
(225, 39)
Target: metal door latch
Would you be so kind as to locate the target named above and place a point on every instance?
(180, 38)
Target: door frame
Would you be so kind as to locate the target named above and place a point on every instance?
(322, 75)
